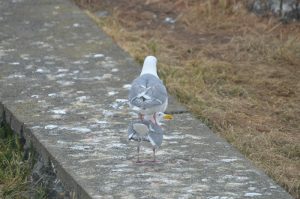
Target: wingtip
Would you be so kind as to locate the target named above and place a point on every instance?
(130, 136)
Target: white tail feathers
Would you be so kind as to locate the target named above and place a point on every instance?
(149, 66)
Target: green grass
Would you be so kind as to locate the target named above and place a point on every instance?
(14, 170)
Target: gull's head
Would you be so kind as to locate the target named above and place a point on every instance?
(150, 59)
(160, 117)
(149, 66)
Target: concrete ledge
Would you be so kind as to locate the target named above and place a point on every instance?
(15, 124)
(73, 189)
(63, 84)
(48, 159)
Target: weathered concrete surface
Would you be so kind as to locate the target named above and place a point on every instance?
(63, 83)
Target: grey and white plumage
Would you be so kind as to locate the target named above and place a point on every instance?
(148, 130)
(145, 131)
(148, 92)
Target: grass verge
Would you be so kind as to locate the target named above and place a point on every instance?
(15, 172)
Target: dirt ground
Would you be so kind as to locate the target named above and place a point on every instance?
(237, 72)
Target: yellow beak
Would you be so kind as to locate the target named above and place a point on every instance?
(168, 117)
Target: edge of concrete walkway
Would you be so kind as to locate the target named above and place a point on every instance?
(71, 187)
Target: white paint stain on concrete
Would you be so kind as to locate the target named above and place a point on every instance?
(35, 96)
(25, 56)
(80, 92)
(76, 25)
(28, 67)
(75, 72)
(116, 145)
(65, 83)
(81, 129)
(238, 178)
(193, 137)
(107, 113)
(49, 62)
(14, 63)
(119, 103)
(107, 76)
(112, 93)
(17, 1)
(122, 100)
(173, 137)
(229, 160)
(61, 75)
(80, 62)
(127, 86)
(59, 111)
(56, 116)
(41, 70)
(121, 165)
(82, 98)
(98, 55)
(80, 147)
(101, 122)
(251, 188)
(52, 94)
(93, 78)
(35, 127)
(51, 126)
(62, 142)
(252, 194)
(62, 70)
(15, 76)
(77, 129)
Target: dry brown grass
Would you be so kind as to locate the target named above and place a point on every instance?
(237, 72)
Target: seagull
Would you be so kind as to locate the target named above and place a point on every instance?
(148, 93)
(148, 131)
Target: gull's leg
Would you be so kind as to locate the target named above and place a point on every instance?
(138, 153)
(141, 116)
(154, 158)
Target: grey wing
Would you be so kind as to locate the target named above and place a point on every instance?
(132, 134)
(147, 91)
(155, 136)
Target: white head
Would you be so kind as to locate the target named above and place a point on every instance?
(159, 117)
(149, 66)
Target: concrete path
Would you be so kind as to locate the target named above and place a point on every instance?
(62, 84)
